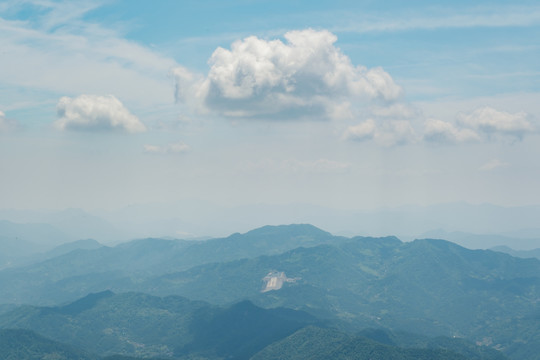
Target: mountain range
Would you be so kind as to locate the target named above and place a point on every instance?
(426, 287)
(138, 325)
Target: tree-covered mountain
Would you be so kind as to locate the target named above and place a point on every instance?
(143, 325)
(431, 286)
(312, 343)
(139, 325)
(19, 344)
(74, 274)
(425, 286)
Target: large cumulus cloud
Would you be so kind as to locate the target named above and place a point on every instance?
(306, 76)
(96, 113)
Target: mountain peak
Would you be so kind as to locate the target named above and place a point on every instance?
(291, 230)
(85, 303)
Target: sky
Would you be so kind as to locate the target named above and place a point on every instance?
(341, 104)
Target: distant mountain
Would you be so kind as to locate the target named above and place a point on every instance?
(483, 241)
(534, 253)
(85, 244)
(26, 345)
(202, 218)
(40, 236)
(73, 223)
(72, 275)
(82, 225)
(18, 242)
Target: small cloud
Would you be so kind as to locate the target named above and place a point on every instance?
(318, 166)
(304, 77)
(6, 124)
(492, 165)
(490, 121)
(439, 131)
(96, 113)
(175, 148)
(153, 149)
(361, 132)
(386, 133)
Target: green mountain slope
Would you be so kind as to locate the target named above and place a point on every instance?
(427, 286)
(131, 325)
(142, 325)
(431, 287)
(27, 345)
(313, 343)
(72, 275)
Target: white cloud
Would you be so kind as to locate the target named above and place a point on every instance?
(445, 132)
(490, 121)
(5, 123)
(304, 77)
(385, 133)
(492, 165)
(483, 124)
(363, 131)
(174, 148)
(153, 149)
(96, 113)
(445, 17)
(177, 148)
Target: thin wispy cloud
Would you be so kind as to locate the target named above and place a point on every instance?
(493, 164)
(61, 53)
(173, 148)
(447, 18)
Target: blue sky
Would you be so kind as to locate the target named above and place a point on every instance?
(341, 104)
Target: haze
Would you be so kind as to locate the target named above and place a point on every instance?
(110, 104)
